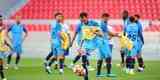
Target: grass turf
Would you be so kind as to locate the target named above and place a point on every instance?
(33, 69)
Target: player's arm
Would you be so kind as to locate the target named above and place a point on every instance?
(140, 32)
(7, 42)
(8, 29)
(75, 34)
(25, 32)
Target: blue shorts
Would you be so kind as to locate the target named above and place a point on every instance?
(57, 50)
(17, 49)
(104, 50)
(139, 47)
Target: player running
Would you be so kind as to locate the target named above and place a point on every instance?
(18, 34)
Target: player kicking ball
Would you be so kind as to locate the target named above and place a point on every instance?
(59, 42)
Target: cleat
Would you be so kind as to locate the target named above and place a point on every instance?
(16, 67)
(131, 72)
(100, 75)
(61, 71)
(127, 71)
(111, 75)
(48, 70)
(4, 79)
(140, 69)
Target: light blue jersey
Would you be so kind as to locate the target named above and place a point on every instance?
(103, 42)
(140, 37)
(56, 29)
(132, 31)
(17, 36)
(87, 44)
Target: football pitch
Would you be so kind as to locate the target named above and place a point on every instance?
(33, 69)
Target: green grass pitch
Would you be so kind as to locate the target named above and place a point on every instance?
(33, 69)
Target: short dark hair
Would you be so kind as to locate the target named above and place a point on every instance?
(83, 14)
(0, 16)
(132, 18)
(137, 15)
(125, 12)
(105, 15)
(58, 13)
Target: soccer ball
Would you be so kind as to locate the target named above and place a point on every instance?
(79, 70)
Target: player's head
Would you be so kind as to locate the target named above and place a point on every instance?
(83, 17)
(59, 17)
(18, 19)
(132, 19)
(137, 17)
(125, 14)
(105, 16)
(1, 19)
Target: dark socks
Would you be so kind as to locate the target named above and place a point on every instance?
(122, 56)
(130, 62)
(108, 65)
(140, 62)
(49, 56)
(9, 59)
(84, 64)
(99, 65)
(76, 59)
(61, 61)
(17, 59)
(51, 61)
(1, 69)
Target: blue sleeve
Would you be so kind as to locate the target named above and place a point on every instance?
(140, 32)
(24, 29)
(9, 29)
(78, 28)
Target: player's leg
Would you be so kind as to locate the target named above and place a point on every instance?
(84, 64)
(99, 65)
(48, 58)
(130, 62)
(1, 69)
(61, 64)
(9, 58)
(78, 56)
(122, 52)
(18, 56)
(140, 62)
(140, 59)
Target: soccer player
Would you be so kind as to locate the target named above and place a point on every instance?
(104, 48)
(83, 21)
(58, 43)
(18, 35)
(3, 46)
(85, 40)
(125, 18)
(132, 31)
(140, 44)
